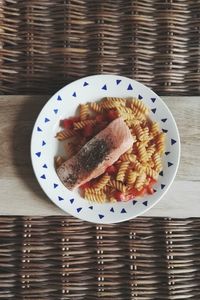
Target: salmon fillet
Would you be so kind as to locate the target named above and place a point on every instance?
(96, 155)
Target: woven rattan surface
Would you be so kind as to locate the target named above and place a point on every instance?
(45, 44)
(64, 258)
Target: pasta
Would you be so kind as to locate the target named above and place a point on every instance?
(160, 143)
(82, 124)
(118, 185)
(131, 178)
(122, 171)
(150, 151)
(115, 100)
(140, 105)
(96, 107)
(84, 111)
(95, 196)
(65, 134)
(138, 114)
(154, 128)
(151, 173)
(102, 182)
(138, 168)
(157, 161)
(142, 154)
(140, 181)
(128, 157)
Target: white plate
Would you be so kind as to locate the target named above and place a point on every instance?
(44, 146)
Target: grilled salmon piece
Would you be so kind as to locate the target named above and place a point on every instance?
(97, 155)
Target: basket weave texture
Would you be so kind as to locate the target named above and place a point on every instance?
(65, 258)
(46, 44)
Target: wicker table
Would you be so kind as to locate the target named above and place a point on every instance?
(44, 45)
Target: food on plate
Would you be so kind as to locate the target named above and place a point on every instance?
(113, 150)
(96, 155)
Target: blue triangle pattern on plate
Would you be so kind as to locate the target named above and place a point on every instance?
(118, 81)
(55, 110)
(85, 83)
(43, 143)
(104, 87)
(173, 141)
(60, 198)
(145, 203)
(91, 207)
(71, 200)
(43, 176)
(164, 130)
(59, 98)
(79, 209)
(55, 185)
(164, 120)
(153, 110)
(38, 154)
(167, 153)
(112, 209)
(74, 94)
(44, 166)
(39, 129)
(161, 173)
(153, 99)
(46, 120)
(169, 164)
(129, 88)
(140, 97)
(134, 202)
(162, 186)
(101, 216)
(123, 211)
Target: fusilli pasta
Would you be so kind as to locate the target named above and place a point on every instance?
(122, 171)
(137, 168)
(82, 124)
(65, 134)
(84, 112)
(118, 185)
(102, 182)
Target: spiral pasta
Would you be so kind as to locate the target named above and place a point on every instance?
(84, 111)
(138, 114)
(118, 185)
(157, 161)
(102, 182)
(142, 154)
(160, 143)
(140, 180)
(122, 171)
(140, 105)
(137, 168)
(116, 100)
(99, 197)
(131, 177)
(150, 151)
(128, 157)
(82, 124)
(151, 173)
(65, 134)
(154, 128)
(96, 107)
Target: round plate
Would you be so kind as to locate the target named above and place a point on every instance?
(44, 146)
